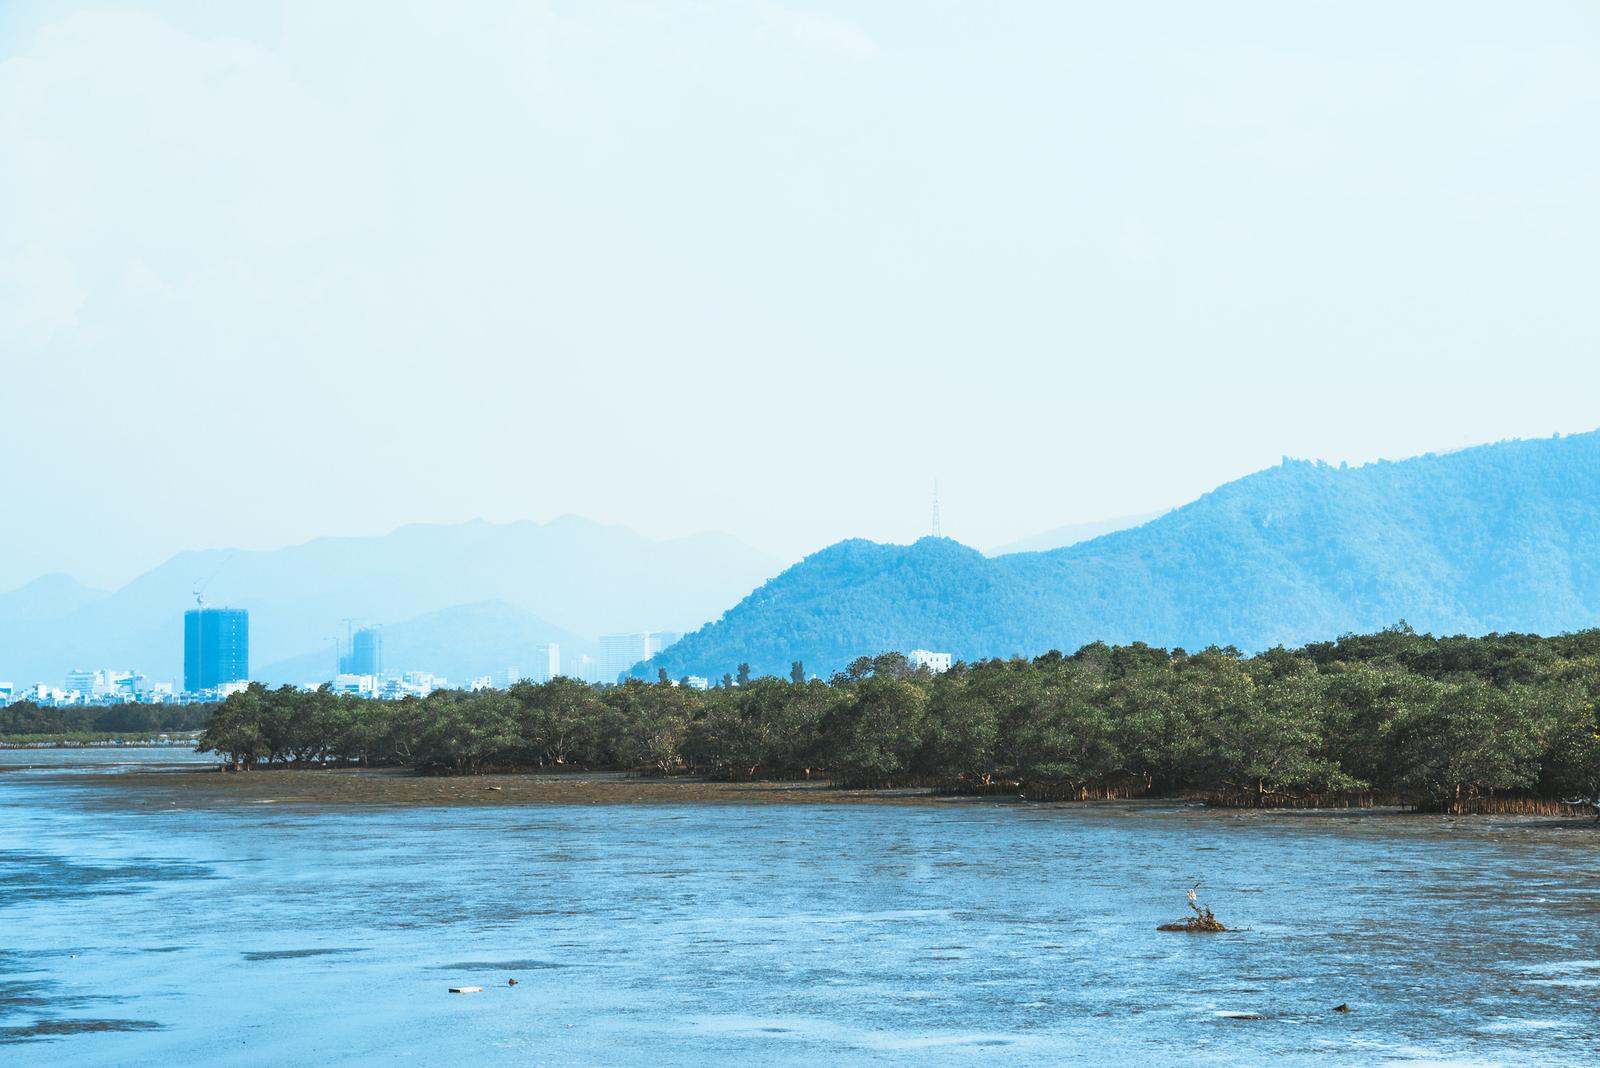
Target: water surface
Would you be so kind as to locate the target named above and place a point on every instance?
(920, 935)
(101, 758)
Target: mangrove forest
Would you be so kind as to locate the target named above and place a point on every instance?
(1497, 723)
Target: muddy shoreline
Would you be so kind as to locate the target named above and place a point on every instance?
(207, 786)
(326, 786)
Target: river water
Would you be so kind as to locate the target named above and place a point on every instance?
(919, 935)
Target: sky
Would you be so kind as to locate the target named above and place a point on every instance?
(276, 270)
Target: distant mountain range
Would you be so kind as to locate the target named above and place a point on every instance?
(1500, 537)
(1495, 538)
(48, 597)
(1072, 534)
(568, 581)
(460, 643)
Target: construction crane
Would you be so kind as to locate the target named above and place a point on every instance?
(199, 591)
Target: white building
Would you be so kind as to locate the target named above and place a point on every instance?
(359, 685)
(127, 685)
(550, 659)
(413, 684)
(934, 662)
(112, 687)
(86, 684)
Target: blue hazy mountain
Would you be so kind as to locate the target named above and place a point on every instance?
(48, 597)
(583, 577)
(1495, 538)
(1072, 534)
(460, 643)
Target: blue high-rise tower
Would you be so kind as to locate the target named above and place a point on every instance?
(216, 647)
(366, 653)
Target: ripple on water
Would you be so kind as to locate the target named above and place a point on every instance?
(17, 995)
(1507, 1025)
(812, 1029)
(499, 965)
(30, 876)
(64, 1028)
(295, 954)
(1562, 967)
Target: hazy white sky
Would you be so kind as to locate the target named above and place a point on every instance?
(275, 270)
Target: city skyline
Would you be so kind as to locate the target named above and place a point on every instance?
(216, 659)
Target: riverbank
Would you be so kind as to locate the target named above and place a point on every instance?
(398, 786)
(206, 786)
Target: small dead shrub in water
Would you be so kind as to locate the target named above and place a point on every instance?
(1202, 922)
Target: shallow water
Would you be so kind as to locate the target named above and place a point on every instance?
(919, 935)
(101, 758)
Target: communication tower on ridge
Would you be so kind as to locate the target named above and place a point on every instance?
(936, 532)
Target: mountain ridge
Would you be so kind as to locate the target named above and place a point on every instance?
(49, 596)
(1491, 537)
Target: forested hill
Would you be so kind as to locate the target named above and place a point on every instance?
(1502, 537)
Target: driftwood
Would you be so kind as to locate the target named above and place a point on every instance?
(1202, 922)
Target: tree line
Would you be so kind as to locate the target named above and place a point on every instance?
(1394, 717)
(29, 718)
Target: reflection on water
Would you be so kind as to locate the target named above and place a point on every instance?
(101, 758)
(773, 935)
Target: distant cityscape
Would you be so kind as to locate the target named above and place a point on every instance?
(216, 663)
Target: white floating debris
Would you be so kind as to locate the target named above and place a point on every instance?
(466, 990)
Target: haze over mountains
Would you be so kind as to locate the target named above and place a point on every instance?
(1072, 534)
(459, 643)
(1499, 537)
(1496, 538)
(476, 597)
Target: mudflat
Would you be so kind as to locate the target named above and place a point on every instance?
(362, 786)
